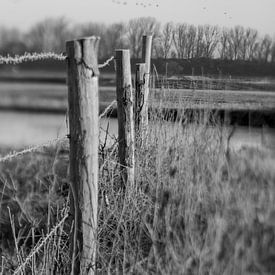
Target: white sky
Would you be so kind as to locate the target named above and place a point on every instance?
(258, 14)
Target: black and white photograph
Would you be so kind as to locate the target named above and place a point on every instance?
(137, 137)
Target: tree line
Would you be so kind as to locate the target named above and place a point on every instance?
(181, 40)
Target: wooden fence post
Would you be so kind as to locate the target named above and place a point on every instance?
(146, 58)
(141, 107)
(146, 51)
(125, 116)
(82, 71)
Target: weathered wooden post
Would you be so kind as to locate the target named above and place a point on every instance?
(144, 77)
(125, 116)
(83, 75)
(146, 51)
(146, 58)
(141, 107)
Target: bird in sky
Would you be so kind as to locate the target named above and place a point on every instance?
(142, 4)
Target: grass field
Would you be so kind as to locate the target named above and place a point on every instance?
(195, 208)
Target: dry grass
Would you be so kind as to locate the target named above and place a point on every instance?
(195, 208)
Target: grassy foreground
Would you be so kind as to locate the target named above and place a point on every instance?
(195, 208)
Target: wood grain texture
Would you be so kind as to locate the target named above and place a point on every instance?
(84, 134)
(146, 58)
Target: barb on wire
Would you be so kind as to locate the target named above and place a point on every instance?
(107, 109)
(106, 63)
(40, 245)
(30, 57)
(11, 156)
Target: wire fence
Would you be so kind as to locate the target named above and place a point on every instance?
(27, 57)
(32, 57)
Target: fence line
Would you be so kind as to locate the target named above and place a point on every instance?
(82, 83)
(13, 155)
(32, 57)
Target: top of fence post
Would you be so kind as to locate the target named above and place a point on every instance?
(85, 51)
(146, 51)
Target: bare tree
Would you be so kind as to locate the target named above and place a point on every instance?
(200, 41)
(251, 37)
(97, 29)
(264, 49)
(137, 28)
(115, 37)
(49, 35)
(176, 41)
(190, 41)
(179, 39)
(236, 38)
(164, 41)
(224, 43)
(211, 40)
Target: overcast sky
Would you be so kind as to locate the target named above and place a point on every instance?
(258, 14)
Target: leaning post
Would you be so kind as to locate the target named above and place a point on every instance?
(125, 116)
(82, 73)
(146, 51)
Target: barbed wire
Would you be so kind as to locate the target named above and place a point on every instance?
(35, 148)
(107, 109)
(32, 57)
(13, 155)
(106, 63)
(40, 244)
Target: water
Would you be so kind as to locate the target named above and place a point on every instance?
(18, 130)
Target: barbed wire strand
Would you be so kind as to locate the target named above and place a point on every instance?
(32, 57)
(106, 63)
(13, 155)
(107, 109)
(35, 148)
(40, 245)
